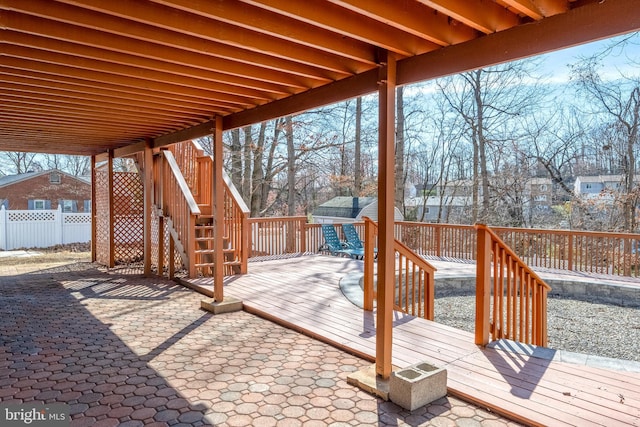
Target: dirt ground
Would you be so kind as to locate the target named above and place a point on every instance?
(56, 254)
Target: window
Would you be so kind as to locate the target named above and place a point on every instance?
(540, 198)
(55, 178)
(39, 205)
(543, 187)
(68, 205)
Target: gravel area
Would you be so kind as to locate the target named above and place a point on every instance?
(576, 326)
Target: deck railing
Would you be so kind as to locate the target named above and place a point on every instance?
(511, 299)
(278, 236)
(582, 251)
(414, 287)
(447, 241)
(176, 202)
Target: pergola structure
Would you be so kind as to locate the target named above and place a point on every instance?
(113, 78)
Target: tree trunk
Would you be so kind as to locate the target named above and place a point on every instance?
(236, 159)
(257, 176)
(291, 167)
(245, 191)
(357, 167)
(268, 170)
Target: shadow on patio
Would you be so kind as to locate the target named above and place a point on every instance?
(123, 349)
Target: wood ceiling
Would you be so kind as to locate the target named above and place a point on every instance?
(85, 76)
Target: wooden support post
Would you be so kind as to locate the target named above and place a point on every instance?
(172, 258)
(386, 200)
(245, 244)
(94, 228)
(112, 250)
(147, 205)
(369, 245)
(483, 285)
(217, 199)
(161, 247)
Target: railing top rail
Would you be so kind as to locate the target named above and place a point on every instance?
(436, 225)
(513, 255)
(406, 250)
(572, 232)
(279, 218)
(184, 188)
(198, 147)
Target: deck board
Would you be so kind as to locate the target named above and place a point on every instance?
(303, 293)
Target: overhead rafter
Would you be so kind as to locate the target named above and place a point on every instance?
(104, 74)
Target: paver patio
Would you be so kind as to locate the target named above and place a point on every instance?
(120, 349)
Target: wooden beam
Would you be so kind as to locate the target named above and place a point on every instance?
(194, 132)
(93, 210)
(351, 87)
(592, 22)
(386, 198)
(112, 250)
(217, 209)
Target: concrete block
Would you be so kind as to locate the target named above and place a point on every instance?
(227, 305)
(417, 385)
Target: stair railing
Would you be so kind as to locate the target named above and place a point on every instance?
(236, 212)
(197, 169)
(511, 299)
(414, 285)
(177, 204)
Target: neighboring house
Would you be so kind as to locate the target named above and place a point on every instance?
(45, 190)
(349, 209)
(540, 193)
(439, 208)
(600, 186)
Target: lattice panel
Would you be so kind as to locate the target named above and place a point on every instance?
(155, 247)
(31, 216)
(102, 216)
(128, 227)
(76, 219)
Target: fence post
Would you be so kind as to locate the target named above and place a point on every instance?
(483, 285)
(369, 244)
(3, 228)
(59, 224)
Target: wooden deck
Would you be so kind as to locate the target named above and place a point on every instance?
(303, 293)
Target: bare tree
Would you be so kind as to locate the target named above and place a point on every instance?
(618, 102)
(20, 162)
(490, 100)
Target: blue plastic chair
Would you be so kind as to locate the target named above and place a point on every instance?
(333, 245)
(353, 239)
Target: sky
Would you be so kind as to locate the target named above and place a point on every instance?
(556, 63)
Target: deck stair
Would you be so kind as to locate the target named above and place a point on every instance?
(187, 170)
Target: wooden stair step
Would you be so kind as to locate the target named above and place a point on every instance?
(212, 251)
(212, 264)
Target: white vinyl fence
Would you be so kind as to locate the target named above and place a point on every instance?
(42, 228)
